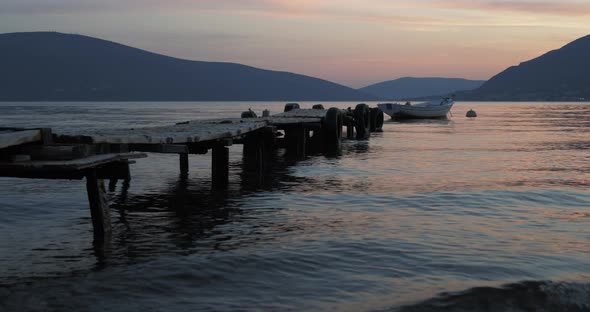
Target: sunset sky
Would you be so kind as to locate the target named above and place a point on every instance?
(352, 42)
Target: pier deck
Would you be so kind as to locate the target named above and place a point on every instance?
(106, 154)
(9, 137)
(194, 131)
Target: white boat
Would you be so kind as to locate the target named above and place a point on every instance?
(430, 109)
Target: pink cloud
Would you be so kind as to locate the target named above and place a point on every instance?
(377, 9)
(565, 8)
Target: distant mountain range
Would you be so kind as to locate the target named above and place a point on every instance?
(559, 75)
(410, 87)
(51, 66)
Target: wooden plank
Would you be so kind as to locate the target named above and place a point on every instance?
(14, 138)
(57, 152)
(159, 148)
(195, 131)
(76, 164)
(173, 149)
(188, 132)
(282, 120)
(303, 113)
(99, 208)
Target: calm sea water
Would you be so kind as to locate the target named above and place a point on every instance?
(484, 214)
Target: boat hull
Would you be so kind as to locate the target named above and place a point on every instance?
(400, 111)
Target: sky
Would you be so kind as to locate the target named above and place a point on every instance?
(351, 42)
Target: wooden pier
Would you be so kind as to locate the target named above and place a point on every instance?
(107, 154)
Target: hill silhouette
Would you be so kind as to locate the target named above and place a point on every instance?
(410, 87)
(51, 66)
(559, 75)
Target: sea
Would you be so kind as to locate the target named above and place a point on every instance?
(464, 214)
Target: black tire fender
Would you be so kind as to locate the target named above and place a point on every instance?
(377, 119)
(291, 106)
(333, 126)
(362, 116)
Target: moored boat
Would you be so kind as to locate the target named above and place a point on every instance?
(430, 109)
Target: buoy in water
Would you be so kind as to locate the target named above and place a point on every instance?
(471, 113)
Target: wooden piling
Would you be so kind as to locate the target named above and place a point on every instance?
(46, 136)
(183, 163)
(296, 138)
(255, 153)
(250, 152)
(99, 209)
(113, 184)
(318, 142)
(350, 131)
(220, 166)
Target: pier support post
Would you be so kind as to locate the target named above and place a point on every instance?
(296, 140)
(113, 184)
(317, 141)
(99, 209)
(257, 152)
(350, 131)
(183, 163)
(254, 152)
(220, 166)
(46, 136)
(253, 160)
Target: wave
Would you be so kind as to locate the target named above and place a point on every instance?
(522, 296)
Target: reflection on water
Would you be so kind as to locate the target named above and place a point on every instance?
(455, 207)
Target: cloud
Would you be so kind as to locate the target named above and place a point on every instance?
(49, 6)
(342, 8)
(561, 8)
(92, 6)
(332, 7)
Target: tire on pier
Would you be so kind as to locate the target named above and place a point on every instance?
(291, 106)
(333, 128)
(377, 119)
(362, 116)
(318, 106)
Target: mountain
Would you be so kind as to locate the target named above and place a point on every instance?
(409, 87)
(51, 66)
(559, 75)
